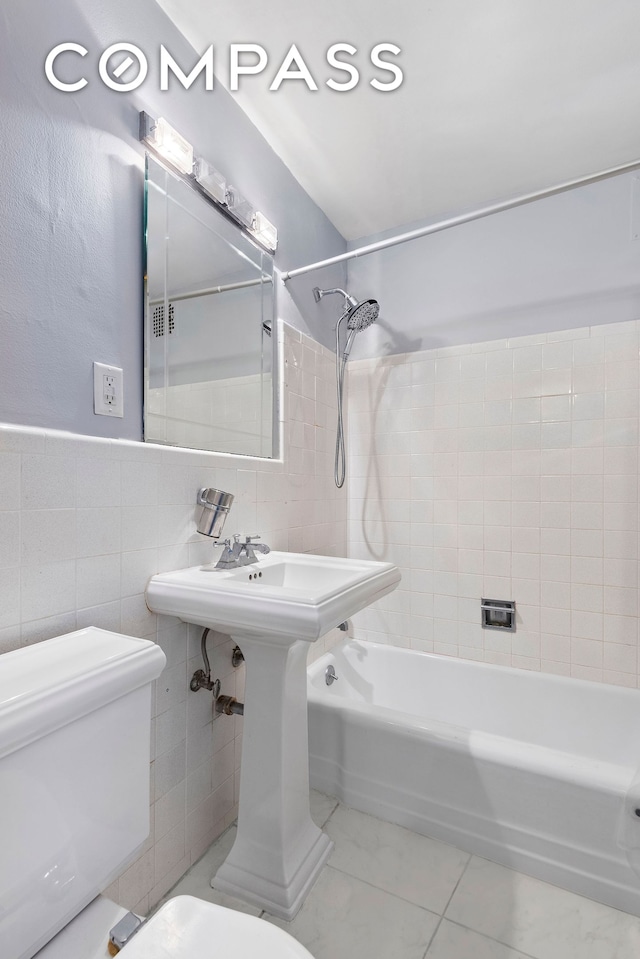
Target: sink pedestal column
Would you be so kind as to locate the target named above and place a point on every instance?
(279, 851)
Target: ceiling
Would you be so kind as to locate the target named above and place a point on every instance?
(499, 98)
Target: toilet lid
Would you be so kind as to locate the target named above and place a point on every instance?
(190, 928)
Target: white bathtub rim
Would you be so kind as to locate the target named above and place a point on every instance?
(320, 664)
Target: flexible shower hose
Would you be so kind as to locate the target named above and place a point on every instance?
(339, 470)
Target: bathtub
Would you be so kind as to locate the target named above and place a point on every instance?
(537, 772)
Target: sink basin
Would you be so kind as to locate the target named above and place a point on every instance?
(283, 594)
(274, 609)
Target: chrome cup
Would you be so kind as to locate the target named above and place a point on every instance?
(215, 509)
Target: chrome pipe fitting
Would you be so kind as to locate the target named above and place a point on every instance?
(229, 705)
(330, 675)
(237, 657)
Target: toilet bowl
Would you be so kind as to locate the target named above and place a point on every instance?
(183, 928)
(75, 717)
(187, 928)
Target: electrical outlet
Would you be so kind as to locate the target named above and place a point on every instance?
(108, 395)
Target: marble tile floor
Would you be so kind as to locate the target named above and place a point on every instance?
(388, 893)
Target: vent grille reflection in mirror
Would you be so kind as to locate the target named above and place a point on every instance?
(158, 319)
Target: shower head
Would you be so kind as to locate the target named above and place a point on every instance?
(358, 318)
(361, 315)
(358, 315)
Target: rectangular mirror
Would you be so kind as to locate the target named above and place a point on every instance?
(210, 336)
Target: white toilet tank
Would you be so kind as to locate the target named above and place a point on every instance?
(74, 776)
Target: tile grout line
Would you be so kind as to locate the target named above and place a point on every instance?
(433, 936)
(337, 805)
(441, 919)
(500, 942)
(394, 895)
(466, 866)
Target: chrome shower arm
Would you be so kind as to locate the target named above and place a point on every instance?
(318, 294)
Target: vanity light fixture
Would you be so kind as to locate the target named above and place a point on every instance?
(171, 147)
(264, 231)
(167, 142)
(240, 208)
(211, 180)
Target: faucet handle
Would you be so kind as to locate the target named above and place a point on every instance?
(248, 539)
(225, 542)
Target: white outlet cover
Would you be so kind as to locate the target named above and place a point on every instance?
(108, 390)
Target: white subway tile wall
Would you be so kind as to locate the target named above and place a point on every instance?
(506, 470)
(85, 522)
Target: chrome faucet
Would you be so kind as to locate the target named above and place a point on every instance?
(236, 554)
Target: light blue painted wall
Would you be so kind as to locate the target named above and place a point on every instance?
(71, 209)
(563, 262)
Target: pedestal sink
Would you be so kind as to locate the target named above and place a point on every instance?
(273, 609)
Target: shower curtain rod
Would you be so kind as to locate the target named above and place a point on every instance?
(463, 218)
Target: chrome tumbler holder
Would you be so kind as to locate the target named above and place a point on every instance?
(215, 509)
